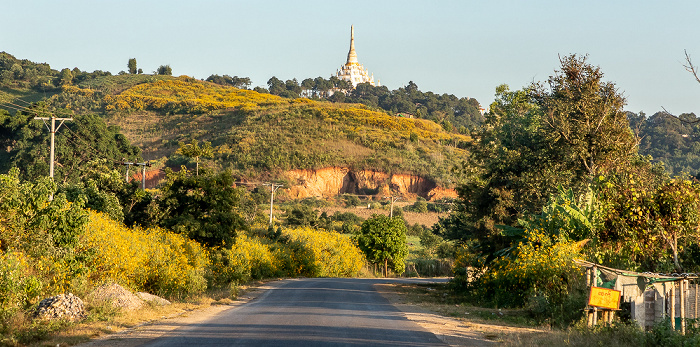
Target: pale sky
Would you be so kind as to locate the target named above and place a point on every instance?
(465, 48)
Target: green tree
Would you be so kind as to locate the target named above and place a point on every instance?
(235, 81)
(132, 66)
(383, 240)
(65, 77)
(34, 223)
(584, 115)
(164, 70)
(534, 141)
(193, 150)
(301, 215)
(276, 86)
(205, 207)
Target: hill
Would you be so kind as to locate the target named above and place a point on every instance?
(257, 135)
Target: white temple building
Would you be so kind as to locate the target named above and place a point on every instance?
(352, 71)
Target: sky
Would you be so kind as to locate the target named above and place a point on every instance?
(466, 48)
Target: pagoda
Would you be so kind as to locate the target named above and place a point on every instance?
(352, 71)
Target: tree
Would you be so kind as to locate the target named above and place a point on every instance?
(307, 86)
(202, 207)
(193, 150)
(132, 66)
(35, 224)
(534, 141)
(65, 78)
(276, 86)
(164, 70)
(383, 240)
(585, 116)
(235, 81)
(301, 215)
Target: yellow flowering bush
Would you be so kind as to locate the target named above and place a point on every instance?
(334, 255)
(540, 274)
(188, 95)
(299, 252)
(248, 259)
(153, 260)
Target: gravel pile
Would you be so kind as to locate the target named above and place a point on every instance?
(62, 306)
(153, 298)
(117, 295)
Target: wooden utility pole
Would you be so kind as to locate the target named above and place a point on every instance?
(52, 130)
(273, 187)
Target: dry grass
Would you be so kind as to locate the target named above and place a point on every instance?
(427, 219)
(464, 322)
(104, 320)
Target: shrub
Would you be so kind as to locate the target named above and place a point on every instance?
(333, 255)
(153, 260)
(541, 275)
(298, 252)
(19, 287)
(247, 259)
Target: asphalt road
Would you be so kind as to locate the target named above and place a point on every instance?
(308, 312)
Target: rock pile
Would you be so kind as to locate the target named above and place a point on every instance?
(62, 306)
(117, 295)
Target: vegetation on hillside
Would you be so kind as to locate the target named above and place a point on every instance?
(254, 133)
(454, 114)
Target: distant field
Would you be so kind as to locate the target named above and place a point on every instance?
(426, 219)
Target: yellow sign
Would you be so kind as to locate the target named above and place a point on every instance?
(604, 298)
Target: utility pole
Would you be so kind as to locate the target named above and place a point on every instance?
(393, 200)
(143, 173)
(273, 187)
(52, 130)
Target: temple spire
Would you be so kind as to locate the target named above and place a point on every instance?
(352, 56)
(352, 71)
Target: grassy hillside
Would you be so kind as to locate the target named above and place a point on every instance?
(260, 134)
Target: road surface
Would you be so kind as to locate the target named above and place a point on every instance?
(307, 312)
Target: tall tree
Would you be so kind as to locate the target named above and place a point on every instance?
(205, 208)
(87, 137)
(132, 66)
(585, 115)
(534, 141)
(383, 240)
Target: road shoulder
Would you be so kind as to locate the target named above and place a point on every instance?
(453, 331)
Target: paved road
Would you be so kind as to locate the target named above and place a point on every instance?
(308, 312)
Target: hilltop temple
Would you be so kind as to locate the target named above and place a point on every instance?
(352, 71)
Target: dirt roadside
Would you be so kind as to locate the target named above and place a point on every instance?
(453, 331)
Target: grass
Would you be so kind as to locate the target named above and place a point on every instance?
(427, 219)
(441, 299)
(103, 319)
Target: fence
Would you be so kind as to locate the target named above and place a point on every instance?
(652, 297)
